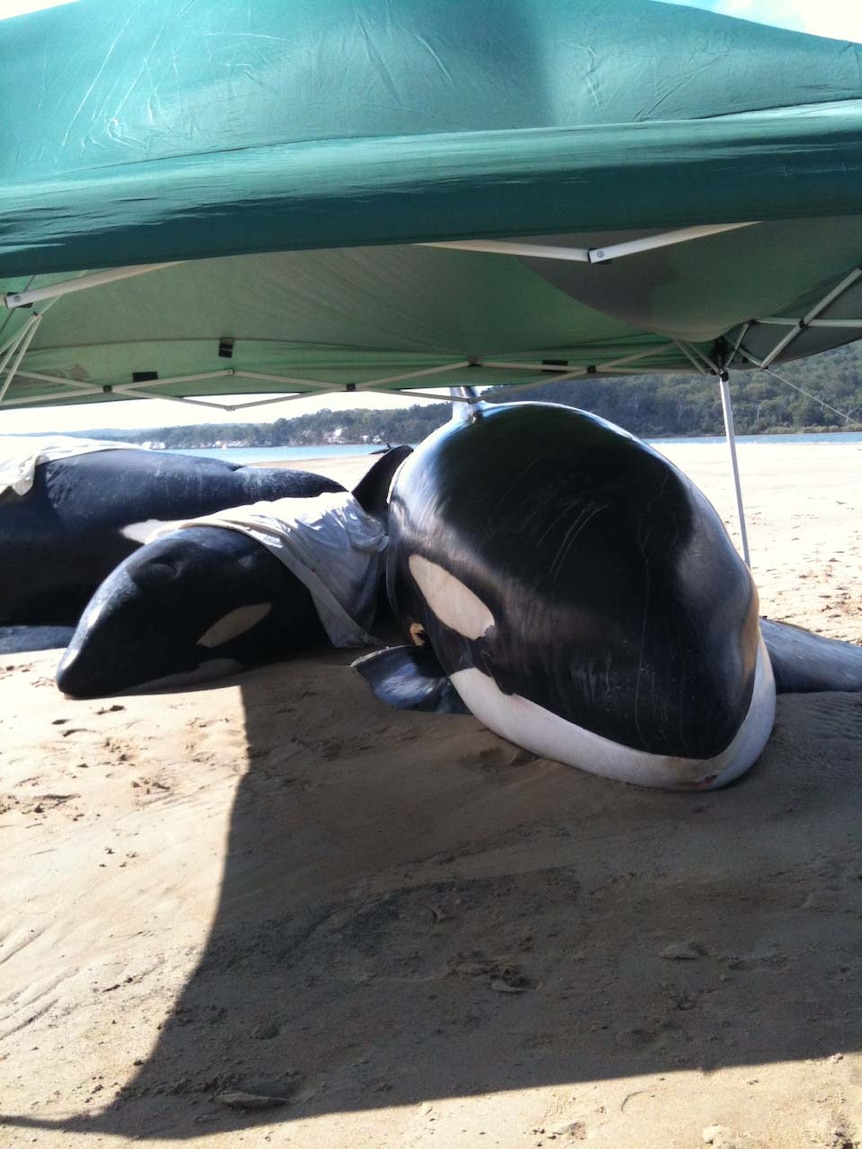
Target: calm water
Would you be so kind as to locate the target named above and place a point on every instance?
(277, 454)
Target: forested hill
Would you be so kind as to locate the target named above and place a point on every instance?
(658, 406)
(650, 406)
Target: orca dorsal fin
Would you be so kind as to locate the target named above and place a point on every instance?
(410, 678)
(372, 491)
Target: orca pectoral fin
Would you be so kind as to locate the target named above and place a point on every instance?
(804, 662)
(22, 639)
(410, 678)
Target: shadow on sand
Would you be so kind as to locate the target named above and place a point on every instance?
(414, 909)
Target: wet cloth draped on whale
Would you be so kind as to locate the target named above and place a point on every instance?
(216, 594)
(21, 455)
(332, 546)
(581, 597)
(224, 592)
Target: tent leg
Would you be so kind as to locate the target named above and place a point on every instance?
(727, 408)
(464, 394)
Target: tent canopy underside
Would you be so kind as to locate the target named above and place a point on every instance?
(606, 185)
(419, 317)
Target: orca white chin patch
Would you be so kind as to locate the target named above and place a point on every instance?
(532, 726)
(233, 624)
(453, 603)
(141, 532)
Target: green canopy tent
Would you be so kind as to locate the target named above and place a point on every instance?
(214, 198)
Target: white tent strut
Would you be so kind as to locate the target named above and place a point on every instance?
(690, 355)
(694, 354)
(81, 283)
(150, 390)
(84, 281)
(811, 315)
(19, 349)
(727, 410)
(588, 254)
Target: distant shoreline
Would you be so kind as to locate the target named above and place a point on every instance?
(274, 456)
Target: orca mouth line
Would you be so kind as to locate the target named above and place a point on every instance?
(462, 652)
(547, 734)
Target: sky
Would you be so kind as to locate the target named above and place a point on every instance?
(841, 19)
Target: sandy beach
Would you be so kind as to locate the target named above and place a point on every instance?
(274, 912)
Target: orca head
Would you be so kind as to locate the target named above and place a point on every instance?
(581, 596)
(181, 610)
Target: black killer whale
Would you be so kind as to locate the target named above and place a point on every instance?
(571, 588)
(86, 513)
(205, 600)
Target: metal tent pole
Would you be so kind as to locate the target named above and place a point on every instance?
(82, 283)
(727, 409)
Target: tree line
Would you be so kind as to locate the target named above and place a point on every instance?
(825, 394)
(820, 394)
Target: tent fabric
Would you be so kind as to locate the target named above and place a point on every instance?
(288, 159)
